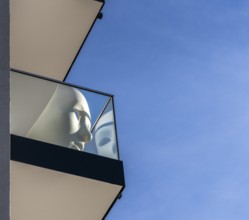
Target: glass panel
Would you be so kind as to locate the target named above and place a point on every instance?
(96, 103)
(104, 134)
(60, 114)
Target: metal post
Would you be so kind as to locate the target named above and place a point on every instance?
(4, 111)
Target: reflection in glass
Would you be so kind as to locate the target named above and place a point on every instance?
(105, 135)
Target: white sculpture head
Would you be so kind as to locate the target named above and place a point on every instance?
(65, 121)
(105, 137)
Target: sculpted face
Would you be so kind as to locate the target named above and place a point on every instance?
(79, 128)
(65, 121)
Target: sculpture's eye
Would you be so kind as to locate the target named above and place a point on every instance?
(104, 141)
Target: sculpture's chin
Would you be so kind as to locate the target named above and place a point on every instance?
(78, 145)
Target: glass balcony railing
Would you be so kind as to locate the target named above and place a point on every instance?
(66, 115)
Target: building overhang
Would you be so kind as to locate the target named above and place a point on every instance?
(57, 183)
(47, 35)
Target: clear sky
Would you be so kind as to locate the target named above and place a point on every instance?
(179, 70)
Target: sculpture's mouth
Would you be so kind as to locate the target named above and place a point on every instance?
(78, 145)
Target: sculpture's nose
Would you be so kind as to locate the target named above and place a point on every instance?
(87, 136)
(84, 131)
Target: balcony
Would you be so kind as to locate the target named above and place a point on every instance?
(46, 36)
(64, 150)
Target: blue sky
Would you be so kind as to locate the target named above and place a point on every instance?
(179, 72)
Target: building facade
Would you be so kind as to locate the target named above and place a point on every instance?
(64, 161)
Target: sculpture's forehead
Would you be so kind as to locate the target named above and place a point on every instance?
(80, 102)
(67, 98)
(78, 95)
